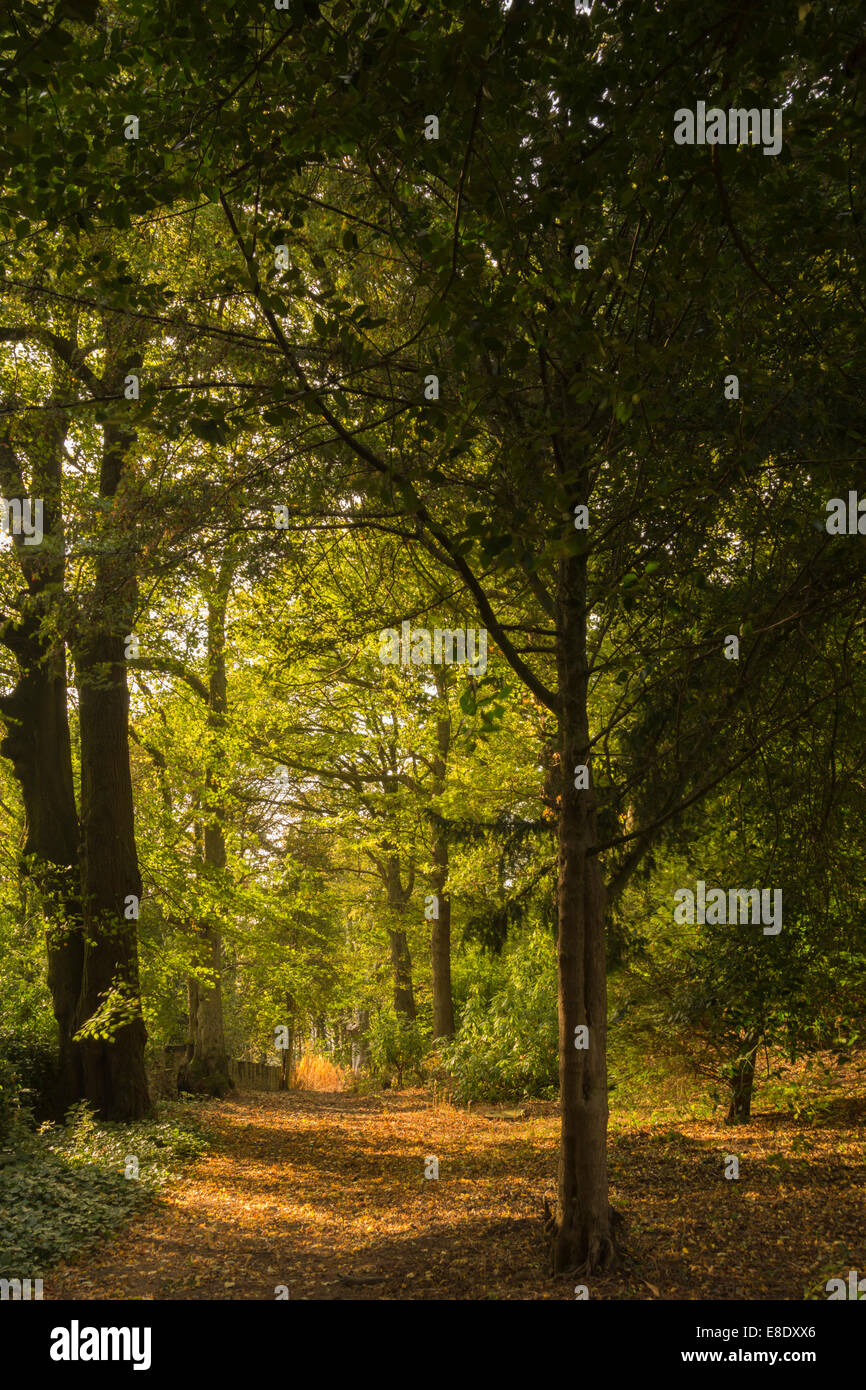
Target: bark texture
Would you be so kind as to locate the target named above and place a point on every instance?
(207, 1069)
(584, 1235)
(443, 1002)
(401, 961)
(742, 1082)
(109, 1005)
(37, 740)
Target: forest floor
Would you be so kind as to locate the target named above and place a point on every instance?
(325, 1193)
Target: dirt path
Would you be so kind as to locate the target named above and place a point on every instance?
(309, 1190)
(325, 1193)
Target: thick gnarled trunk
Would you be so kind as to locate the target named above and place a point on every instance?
(91, 880)
(38, 744)
(37, 741)
(108, 1015)
(584, 1222)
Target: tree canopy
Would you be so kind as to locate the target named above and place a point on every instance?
(433, 545)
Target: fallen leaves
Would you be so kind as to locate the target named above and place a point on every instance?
(325, 1193)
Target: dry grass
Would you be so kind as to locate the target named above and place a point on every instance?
(315, 1072)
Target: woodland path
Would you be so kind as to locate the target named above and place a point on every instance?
(325, 1192)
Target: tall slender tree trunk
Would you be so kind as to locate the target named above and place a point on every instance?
(208, 1067)
(550, 792)
(357, 1032)
(401, 964)
(443, 1002)
(37, 741)
(401, 961)
(288, 1057)
(743, 1080)
(584, 1221)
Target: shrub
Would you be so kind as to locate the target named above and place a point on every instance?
(397, 1046)
(12, 1120)
(506, 1047)
(34, 1064)
(316, 1072)
(67, 1186)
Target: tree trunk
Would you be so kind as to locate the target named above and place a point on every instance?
(208, 1063)
(287, 1059)
(37, 742)
(208, 1068)
(742, 1082)
(112, 1053)
(443, 1003)
(112, 1057)
(550, 799)
(401, 961)
(357, 1031)
(584, 1222)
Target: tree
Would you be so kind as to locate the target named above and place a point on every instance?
(37, 739)
(589, 368)
(543, 348)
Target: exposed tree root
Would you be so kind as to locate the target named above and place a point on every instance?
(605, 1252)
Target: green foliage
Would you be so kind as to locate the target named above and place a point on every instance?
(33, 1064)
(506, 1047)
(705, 990)
(66, 1187)
(397, 1046)
(50, 1207)
(452, 255)
(155, 1143)
(12, 1120)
